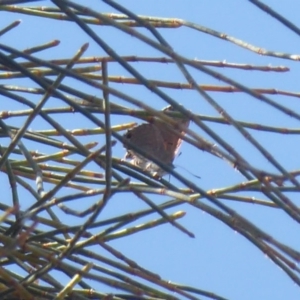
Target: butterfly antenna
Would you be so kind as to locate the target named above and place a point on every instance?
(181, 167)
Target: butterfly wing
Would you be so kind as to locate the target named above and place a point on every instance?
(160, 140)
(148, 138)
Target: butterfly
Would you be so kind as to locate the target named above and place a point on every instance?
(157, 139)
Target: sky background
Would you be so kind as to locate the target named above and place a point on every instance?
(218, 259)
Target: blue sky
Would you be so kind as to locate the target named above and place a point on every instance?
(218, 259)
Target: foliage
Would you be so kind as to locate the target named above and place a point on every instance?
(39, 242)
